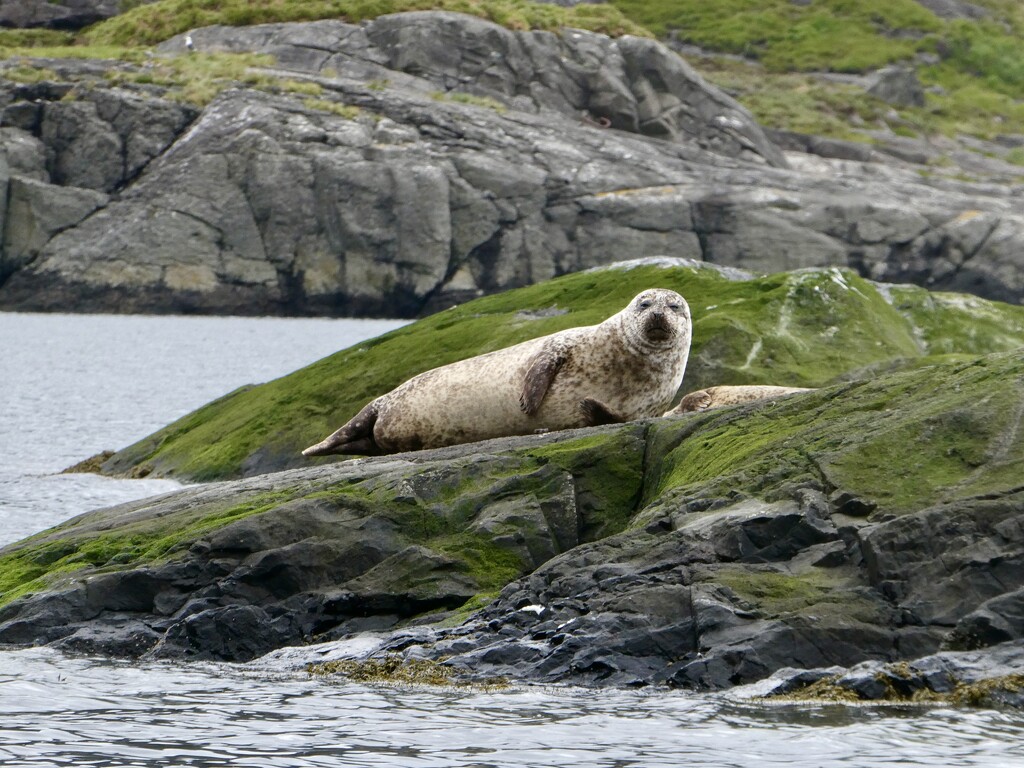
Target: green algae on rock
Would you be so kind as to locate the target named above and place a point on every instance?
(805, 328)
(704, 551)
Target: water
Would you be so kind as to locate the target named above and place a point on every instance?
(72, 386)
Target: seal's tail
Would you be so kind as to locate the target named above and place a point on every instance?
(356, 437)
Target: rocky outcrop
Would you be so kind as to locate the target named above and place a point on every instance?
(62, 158)
(807, 328)
(702, 551)
(443, 157)
(63, 14)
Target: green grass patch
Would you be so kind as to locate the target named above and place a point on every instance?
(470, 99)
(346, 111)
(153, 23)
(198, 78)
(836, 35)
(33, 38)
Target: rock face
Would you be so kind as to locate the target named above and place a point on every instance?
(62, 159)
(479, 160)
(64, 14)
(701, 551)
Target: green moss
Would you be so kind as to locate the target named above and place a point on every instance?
(608, 473)
(489, 565)
(155, 22)
(776, 593)
(950, 323)
(36, 563)
(799, 329)
(471, 606)
(904, 441)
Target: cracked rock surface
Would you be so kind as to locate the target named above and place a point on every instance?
(472, 159)
(703, 551)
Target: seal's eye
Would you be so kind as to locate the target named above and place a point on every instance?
(675, 307)
(645, 304)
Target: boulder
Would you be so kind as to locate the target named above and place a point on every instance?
(808, 328)
(897, 85)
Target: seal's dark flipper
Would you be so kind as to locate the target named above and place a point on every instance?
(596, 413)
(355, 438)
(541, 373)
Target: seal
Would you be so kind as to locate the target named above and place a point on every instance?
(719, 397)
(628, 367)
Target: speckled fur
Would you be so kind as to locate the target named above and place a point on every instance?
(632, 364)
(719, 397)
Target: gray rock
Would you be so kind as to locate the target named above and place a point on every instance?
(897, 85)
(594, 580)
(955, 9)
(564, 153)
(979, 678)
(61, 14)
(35, 212)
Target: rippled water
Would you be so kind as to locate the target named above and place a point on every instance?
(71, 386)
(74, 385)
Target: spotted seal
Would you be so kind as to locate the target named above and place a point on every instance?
(627, 367)
(719, 397)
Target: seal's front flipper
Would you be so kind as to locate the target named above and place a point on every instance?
(355, 438)
(543, 367)
(596, 413)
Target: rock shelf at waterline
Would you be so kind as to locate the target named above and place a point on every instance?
(877, 519)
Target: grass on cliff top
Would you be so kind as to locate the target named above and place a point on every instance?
(798, 329)
(159, 21)
(975, 87)
(833, 35)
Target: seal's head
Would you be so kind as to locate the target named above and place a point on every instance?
(658, 319)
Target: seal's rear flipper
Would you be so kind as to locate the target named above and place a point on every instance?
(355, 438)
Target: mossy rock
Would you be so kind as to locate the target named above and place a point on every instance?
(804, 328)
(638, 519)
(898, 443)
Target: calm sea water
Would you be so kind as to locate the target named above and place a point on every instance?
(71, 386)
